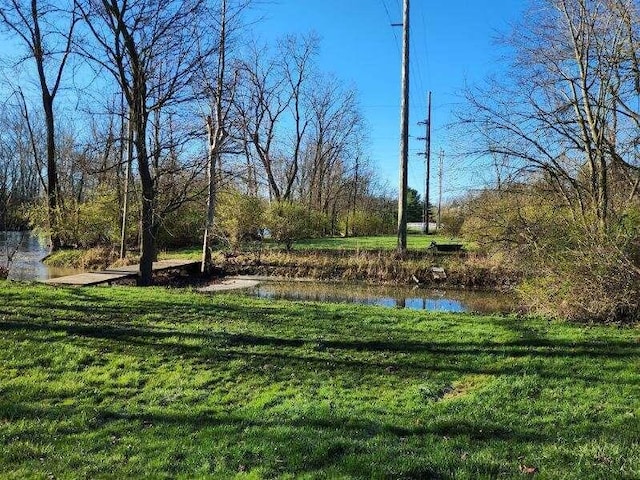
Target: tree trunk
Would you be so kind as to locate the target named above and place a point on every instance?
(53, 191)
(211, 197)
(148, 198)
(127, 174)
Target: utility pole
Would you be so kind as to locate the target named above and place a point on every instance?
(404, 133)
(440, 175)
(427, 161)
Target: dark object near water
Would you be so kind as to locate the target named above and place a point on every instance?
(445, 247)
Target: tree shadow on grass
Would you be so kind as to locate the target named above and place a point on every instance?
(114, 322)
(328, 340)
(323, 440)
(356, 356)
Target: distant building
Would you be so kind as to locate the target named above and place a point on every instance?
(419, 226)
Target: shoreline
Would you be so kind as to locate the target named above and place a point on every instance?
(372, 267)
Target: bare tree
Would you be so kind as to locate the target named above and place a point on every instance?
(568, 111)
(272, 109)
(219, 91)
(331, 151)
(153, 49)
(46, 29)
(20, 181)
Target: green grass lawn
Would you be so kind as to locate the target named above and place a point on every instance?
(121, 382)
(387, 242)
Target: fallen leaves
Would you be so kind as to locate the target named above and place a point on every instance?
(524, 469)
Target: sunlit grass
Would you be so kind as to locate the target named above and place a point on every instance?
(387, 242)
(124, 382)
(415, 242)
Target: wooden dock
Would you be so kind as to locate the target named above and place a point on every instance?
(110, 275)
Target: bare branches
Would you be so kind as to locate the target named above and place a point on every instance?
(50, 49)
(565, 110)
(153, 49)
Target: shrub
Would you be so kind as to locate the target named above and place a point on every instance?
(239, 216)
(517, 217)
(182, 227)
(92, 222)
(319, 224)
(572, 270)
(452, 220)
(288, 221)
(365, 223)
(597, 283)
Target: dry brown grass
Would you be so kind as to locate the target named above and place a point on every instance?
(379, 267)
(97, 258)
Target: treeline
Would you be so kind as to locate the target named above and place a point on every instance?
(143, 111)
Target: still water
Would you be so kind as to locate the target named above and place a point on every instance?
(27, 260)
(30, 250)
(449, 300)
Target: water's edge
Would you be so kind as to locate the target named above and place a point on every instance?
(27, 265)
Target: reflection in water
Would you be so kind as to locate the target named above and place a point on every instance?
(394, 297)
(27, 262)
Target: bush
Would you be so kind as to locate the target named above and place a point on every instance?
(452, 219)
(597, 283)
(90, 223)
(239, 216)
(319, 224)
(365, 223)
(571, 270)
(289, 221)
(184, 227)
(514, 218)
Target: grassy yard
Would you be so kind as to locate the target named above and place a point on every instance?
(387, 242)
(121, 382)
(97, 258)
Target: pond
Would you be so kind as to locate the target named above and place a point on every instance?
(29, 251)
(414, 298)
(27, 260)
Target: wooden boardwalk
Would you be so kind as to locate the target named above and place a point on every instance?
(120, 273)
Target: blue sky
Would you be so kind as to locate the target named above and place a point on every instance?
(452, 44)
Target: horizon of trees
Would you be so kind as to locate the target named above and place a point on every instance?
(171, 104)
(141, 111)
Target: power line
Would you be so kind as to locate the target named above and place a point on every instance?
(416, 72)
(391, 22)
